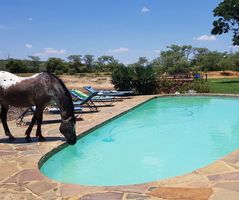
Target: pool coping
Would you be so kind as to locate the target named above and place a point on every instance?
(210, 182)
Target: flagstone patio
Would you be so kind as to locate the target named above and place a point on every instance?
(20, 177)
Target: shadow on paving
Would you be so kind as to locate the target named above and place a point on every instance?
(34, 140)
(52, 121)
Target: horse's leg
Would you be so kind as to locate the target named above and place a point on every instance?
(39, 113)
(3, 116)
(29, 129)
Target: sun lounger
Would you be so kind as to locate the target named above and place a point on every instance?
(111, 93)
(55, 110)
(99, 100)
(78, 108)
(20, 120)
(84, 102)
(50, 110)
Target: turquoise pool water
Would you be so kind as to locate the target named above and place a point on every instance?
(162, 138)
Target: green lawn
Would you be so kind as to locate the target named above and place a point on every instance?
(224, 85)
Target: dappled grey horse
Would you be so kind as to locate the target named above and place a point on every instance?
(38, 90)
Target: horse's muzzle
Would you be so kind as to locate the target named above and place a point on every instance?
(71, 141)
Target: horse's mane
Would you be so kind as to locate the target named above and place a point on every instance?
(67, 93)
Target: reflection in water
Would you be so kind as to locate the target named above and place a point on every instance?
(108, 139)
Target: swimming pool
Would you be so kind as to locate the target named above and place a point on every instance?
(162, 138)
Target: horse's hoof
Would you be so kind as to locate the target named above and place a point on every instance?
(41, 139)
(28, 139)
(11, 138)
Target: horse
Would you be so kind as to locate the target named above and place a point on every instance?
(38, 90)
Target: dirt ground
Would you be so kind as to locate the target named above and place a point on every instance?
(222, 74)
(96, 81)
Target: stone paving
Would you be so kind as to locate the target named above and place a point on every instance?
(20, 177)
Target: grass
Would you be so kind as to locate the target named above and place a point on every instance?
(224, 85)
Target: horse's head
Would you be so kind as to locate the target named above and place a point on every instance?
(67, 128)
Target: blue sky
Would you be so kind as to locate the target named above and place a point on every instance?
(126, 29)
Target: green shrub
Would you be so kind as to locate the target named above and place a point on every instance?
(121, 78)
(182, 67)
(72, 71)
(199, 86)
(141, 79)
(165, 85)
(144, 79)
(53, 64)
(16, 66)
(59, 72)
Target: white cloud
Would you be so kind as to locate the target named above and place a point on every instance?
(145, 9)
(157, 51)
(30, 18)
(54, 51)
(206, 38)
(51, 51)
(119, 50)
(29, 46)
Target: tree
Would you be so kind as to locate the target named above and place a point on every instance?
(104, 63)
(3, 65)
(210, 61)
(198, 53)
(16, 66)
(176, 59)
(75, 63)
(235, 59)
(106, 59)
(89, 60)
(226, 62)
(187, 50)
(143, 61)
(228, 19)
(181, 67)
(74, 58)
(55, 65)
(35, 62)
(182, 51)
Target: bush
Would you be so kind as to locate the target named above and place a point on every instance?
(181, 67)
(121, 78)
(53, 64)
(166, 85)
(144, 79)
(16, 66)
(199, 86)
(72, 71)
(138, 78)
(59, 72)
